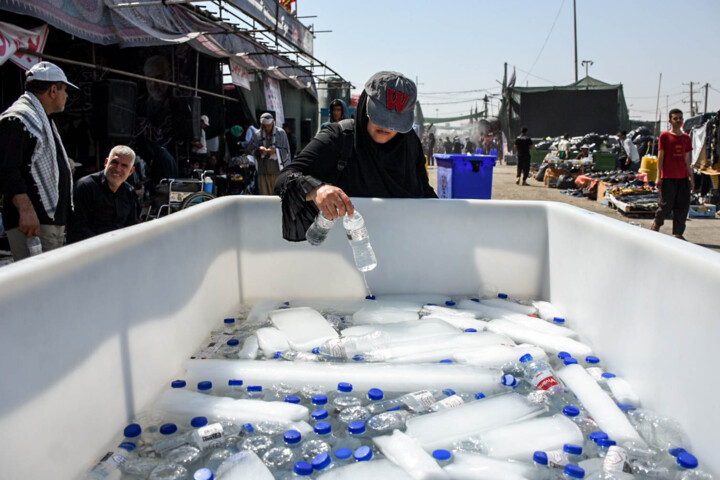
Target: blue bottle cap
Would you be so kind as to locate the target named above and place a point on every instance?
(198, 422)
(570, 361)
(592, 359)
(476, 300)
(248, 428)
(254, 388)
(316, 350)
(320, 414)
(356, 428)
(321, 461)
(608, 375)
(448, 392)
(572, 449)
(625, 407)
(605, 442)
(571, 410)
(450, 303)
(203, 474)
(526, 358)
(229, 320)
(509, 380)
(277, 355)
(345, 387)
(370, 297)
(168, 428)
(287, 304)
(540, 457)
(395, 408)
(432, 304)
(563, 355)
(675, 451)
(129, 446)
(303, 468)
(323, 428)
(479, 395)
(358, 358)
(375, 394)
(203, 386)
(235, 382)
(133, 430)
(292, 437)
(343, 453)
(687, 460)
(233, 342)
(597, 435)
(319, 399)
(292, 399)
(471, 330)
(574, 471)
(446, 360)
(502, 295)
(441, 455)
(559, 320)
(284, 307)
(363, 454)
(178, 384)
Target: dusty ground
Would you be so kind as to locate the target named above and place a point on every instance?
(704, 232)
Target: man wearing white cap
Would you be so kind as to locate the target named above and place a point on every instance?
(200, 149)
(35, 172)
(271, 149)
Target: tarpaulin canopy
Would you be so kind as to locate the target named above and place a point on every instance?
(147, 23)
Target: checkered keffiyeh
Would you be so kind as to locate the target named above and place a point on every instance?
(43, 164)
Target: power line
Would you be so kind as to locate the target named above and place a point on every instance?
(546, 38)
(451, 103)
(457, 91)
(534, 76)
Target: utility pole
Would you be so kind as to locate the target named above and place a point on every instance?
(692, 102)
(707, 85)
(587, 64)
(575, 30)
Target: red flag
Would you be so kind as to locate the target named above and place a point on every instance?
(287, 4)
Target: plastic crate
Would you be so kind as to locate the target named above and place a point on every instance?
(465, 176)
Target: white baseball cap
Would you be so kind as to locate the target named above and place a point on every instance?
(205, 120)
(47, 72)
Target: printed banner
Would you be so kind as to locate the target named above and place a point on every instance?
(444, 182)
(273, 99)
(240, 76)
(13, 38)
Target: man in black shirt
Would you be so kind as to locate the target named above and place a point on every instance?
(104, 201)
(523, 145)
(35, 172)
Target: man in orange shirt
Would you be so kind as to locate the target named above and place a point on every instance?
(675, 176)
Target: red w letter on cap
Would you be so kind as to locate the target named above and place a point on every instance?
(396, 100)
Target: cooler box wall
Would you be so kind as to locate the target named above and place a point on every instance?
(91, 333)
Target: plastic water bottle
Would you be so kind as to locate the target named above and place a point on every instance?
(343, 456)
(581, 419)
(318, 231)
(111, 465)
(229, 326)
(255, 441)
(452, 401)
(205, 387)
(355, 437)
(388, 421)
(323, 462)
(230, 349)
(540, 375)
(442, 456)
(363, 454)
(591, 448)
(687, 465)
(235, 386)
(302, 469)
(321, 440)
(170, 438)
(34, 246)
(359, 239)
(344, 397)
(319, 400)
(169, 471)
(615, 466)
(320, 415)
(204, 474)
(133, 433)
(255, 392)
(374, 395)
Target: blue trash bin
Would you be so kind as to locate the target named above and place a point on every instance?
(464, 176)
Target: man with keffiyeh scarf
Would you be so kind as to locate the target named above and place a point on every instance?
(374, 154)
(35, 173)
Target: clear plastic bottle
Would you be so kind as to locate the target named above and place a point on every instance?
(134, 433)
(205, 387)
(541, 467)
(615, 466)
(388, 421)
(359, 239)
(318, 231)
(687, 468)
(34, 246)
(374, 395)
(111, 465)
(323, 462)
(321, 440)
(355, 437)
(170, 438)
(235, 388)
(319, 401)
(343, 456)
(204, 474)
(169, 471)
(591, 448)
(302, 469)
(254, 441)
(230, 349)
(452, 401)
(442, 456)
(344, 397)
(586, 424)
(230, 327)
(255, 392)
(573, 471)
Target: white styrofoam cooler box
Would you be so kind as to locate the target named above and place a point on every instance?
(91, 333)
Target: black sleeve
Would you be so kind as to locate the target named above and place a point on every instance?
(315, 165)
(79, 224)
(15, 142)
(422, 173)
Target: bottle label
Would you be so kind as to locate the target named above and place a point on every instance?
(616, 460)
(357, 234)
(336, 348)
(556, 458)
(544, 380)
(117, 459)
(424, 397)
(450, 402)
(209, 436)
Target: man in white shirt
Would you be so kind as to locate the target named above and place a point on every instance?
(632, 157)
(200, 149)
(564, 147)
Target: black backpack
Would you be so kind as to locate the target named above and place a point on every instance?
(346, 150)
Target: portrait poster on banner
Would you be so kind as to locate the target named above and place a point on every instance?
(273, 99)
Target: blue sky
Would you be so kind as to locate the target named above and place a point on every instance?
(459, 46)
